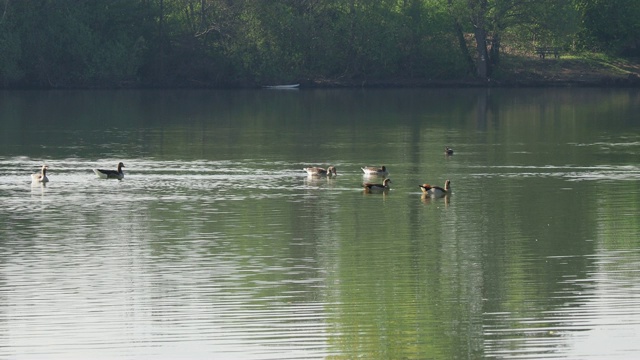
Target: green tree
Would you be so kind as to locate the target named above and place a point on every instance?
(520, 22)
(612, 26)
(10, 51)
(64, 43)
(70, 43)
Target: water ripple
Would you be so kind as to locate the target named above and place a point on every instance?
(603, 305)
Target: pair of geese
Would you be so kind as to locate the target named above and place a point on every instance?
(41, 177)
(435, 191)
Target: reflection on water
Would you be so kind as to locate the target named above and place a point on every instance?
(217, 243)
(115, 268)
(595, 317)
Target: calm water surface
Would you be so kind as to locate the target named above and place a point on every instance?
(217, 245)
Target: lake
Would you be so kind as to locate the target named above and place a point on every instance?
(216, 244)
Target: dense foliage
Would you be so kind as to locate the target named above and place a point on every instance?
(201, 43)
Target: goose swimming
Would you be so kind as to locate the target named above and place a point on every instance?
(40, 176)
(371, 187)
(436, 191)
(374, 170)
(318, 171)
(110, 174)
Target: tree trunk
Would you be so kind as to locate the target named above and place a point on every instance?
(4, 12)
(482, 62)
(161, 37)
(202, 15)
(478, 15)
(494, 54)
(462, 42)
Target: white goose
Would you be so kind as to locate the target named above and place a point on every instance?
(110, 174)
(373, 170)
(318, 171)
(41, 176)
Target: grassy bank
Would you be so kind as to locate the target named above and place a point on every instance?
(569, 70)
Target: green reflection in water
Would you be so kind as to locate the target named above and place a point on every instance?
(218, 229)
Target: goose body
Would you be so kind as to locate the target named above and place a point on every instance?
(436, 191)
(371, 187)
(41, 176)
(448, 150)
(318, 171)
(373, 170)
(110, 174)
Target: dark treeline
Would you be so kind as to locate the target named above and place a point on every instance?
(218, 43)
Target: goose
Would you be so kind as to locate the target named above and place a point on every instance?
(371, 187)
(318, 171)
(40, 176)
(436, 191)
(110, 174)
(448, 150)
(373, 170)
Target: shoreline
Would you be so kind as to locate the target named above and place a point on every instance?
(515, 73)
(605, 82)
(491, 83)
